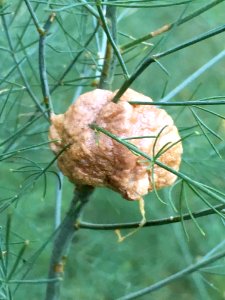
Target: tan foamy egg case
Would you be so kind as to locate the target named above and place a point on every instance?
(97, 160)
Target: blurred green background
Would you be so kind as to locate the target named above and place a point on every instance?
(98, 267)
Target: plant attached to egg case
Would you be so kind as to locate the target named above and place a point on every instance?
(120, 140)
(106, 162)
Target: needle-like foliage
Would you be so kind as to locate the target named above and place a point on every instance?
(58, 241)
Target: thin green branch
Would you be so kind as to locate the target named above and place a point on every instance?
(15, 12)
(33, 281)
(70, 66)
(18, 260)
(9, 154)
(221, 214)
(186, 271)
(128, 4)
(110, 60)
(63, 240)
(192, 78)
(5, 49)
(168, 27)
(210, 112)
(31, 261)
(5, 203)
(181, 175)
(202, 124)
(24, 30)
(18, 132)
(140, 137)
(14, 57)
(89, 8)
(190, 212)
(4, 104)
(34, 17)
(4, 79)
(7, 238)
(11, 91)
(203, 127)
(148, 61)
(180, 103)
(42, 64)
(110, 38)
(29, 62)
(158, 222)
(155, 3)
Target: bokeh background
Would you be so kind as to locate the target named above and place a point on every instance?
(98, 266)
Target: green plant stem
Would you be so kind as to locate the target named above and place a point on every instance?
(34, 17)
(32, 281)
(89, 8)
(22, 189)
(18, 259)
(110, 57)
(180, 103)
(19, 68)
(63, 240)
(9, 154)
(125, 3)
(192, 78)
(70, 66)
(42, 65)
(189, 270)
(15, 12)
(168, 27)
(148, 61)
(20, 38)
(19, 131)
(110, 39)
(158, 222)
(4, 79)
(42, 62)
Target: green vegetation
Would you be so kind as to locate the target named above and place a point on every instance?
(172, 51)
